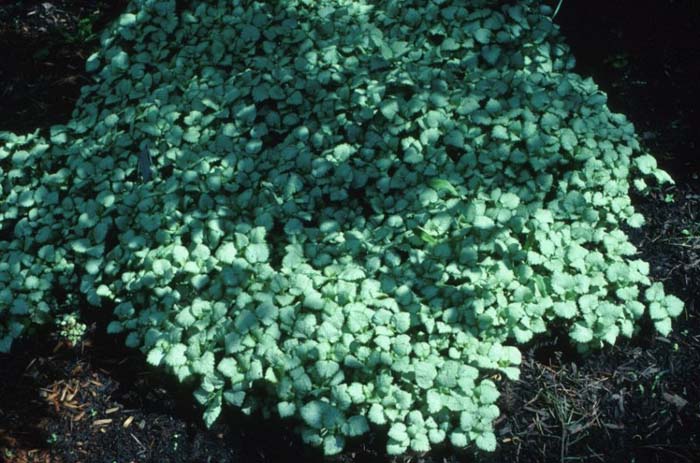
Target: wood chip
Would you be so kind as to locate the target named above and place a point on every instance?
(127, 422)
(675, 399)
(102, 422)
(613, 426)
(71, 396)
(109, 411)
(137, 440)
(30, 364)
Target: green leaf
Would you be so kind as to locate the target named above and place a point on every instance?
(376, 414)
(199, 281)
(343, 152)
(120, 61)
(318, 414)
(509, 200)
(313, 299)
(436, 436)
(636, 308)
(655, 292)
(425, 374)
(581, 333)
(657, 311)
(115, 327)
(161, 266)
(93, 62)
(261, 93)
(454, 138)
(646, 164)
(482, 35)
(229, 130)
(500, 133)
(402, 322)
(434, 399)
(327, 368)
(389, 109)
(253, 146)
(635, 220)
(565, 309)
(610, 334)
(185, 318)
(191, 135)
(80, 246)
(484, 223)
(250, 33)
(486, 441)
(204, 365)
(127, 19)
(226, 253)
(155, 356)
(397, 432)
(286, 409)
(663, 326)
(576, 253)
(212, 412)
(568, 139)
(247, 114)
(420, 443)
(442, 185)
(333, 445)
(228, 367)
(674, 306)
(180, 254)
(352, 273)
(396, 448)
(404, 400)
(355, 426)
(488, 393)
(459, 439)
(439, 100)
(111, 120)
(257, 253)
(176, 355)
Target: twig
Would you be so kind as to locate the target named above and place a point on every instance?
(557, 9)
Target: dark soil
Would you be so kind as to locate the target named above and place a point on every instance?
(636, 402)
(43, 48)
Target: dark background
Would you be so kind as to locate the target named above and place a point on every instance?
(645, 54)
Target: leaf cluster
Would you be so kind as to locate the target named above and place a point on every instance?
(340, 211)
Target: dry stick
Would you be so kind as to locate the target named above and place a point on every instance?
(143, 447)
(557, 9)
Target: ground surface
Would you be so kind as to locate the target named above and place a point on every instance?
(637, 402)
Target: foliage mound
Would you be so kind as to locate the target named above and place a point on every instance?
(346, 212)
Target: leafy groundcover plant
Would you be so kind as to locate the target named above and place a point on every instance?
(346, 212)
